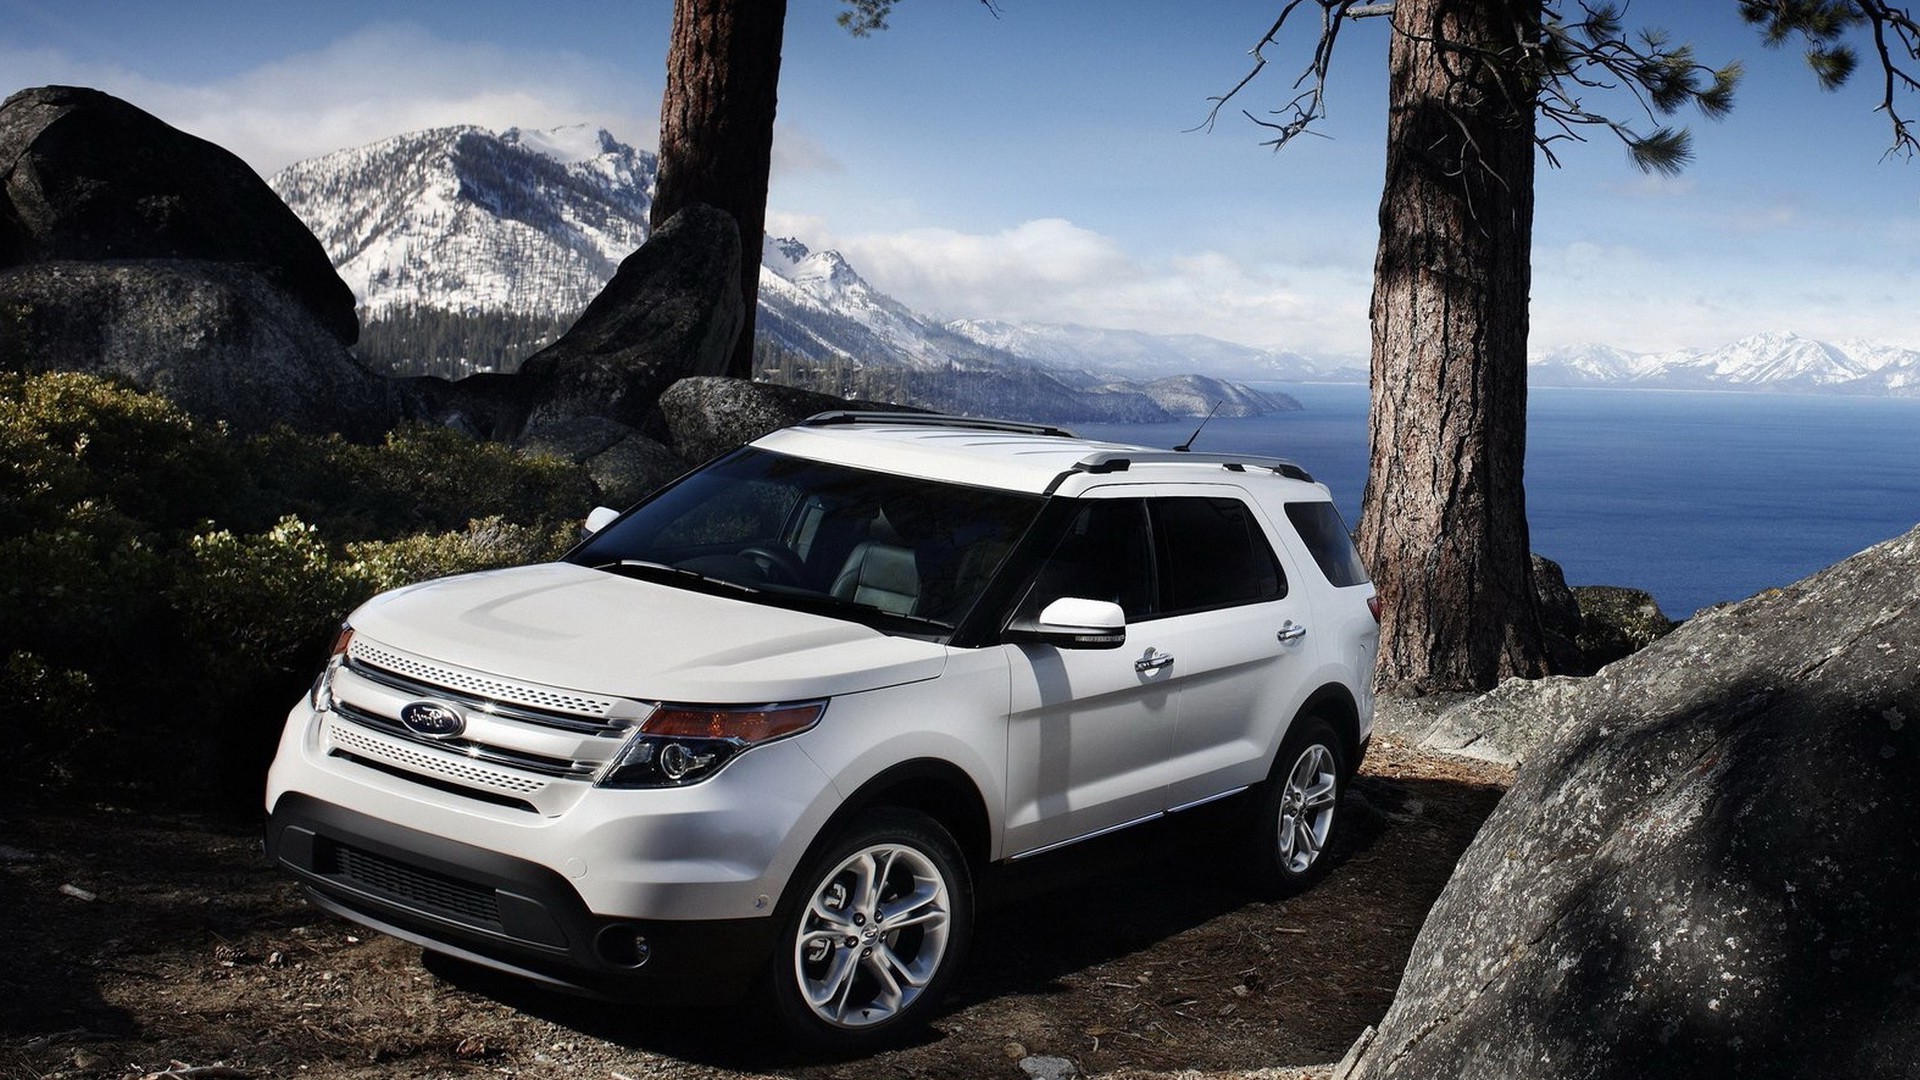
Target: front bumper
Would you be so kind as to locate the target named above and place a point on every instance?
(504, 912)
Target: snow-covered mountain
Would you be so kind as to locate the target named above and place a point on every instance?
(1780, 362)
(531, 224)
(461, 224)
(460, 219)
(816, 304)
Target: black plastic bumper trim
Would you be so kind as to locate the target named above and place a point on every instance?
(539, 928)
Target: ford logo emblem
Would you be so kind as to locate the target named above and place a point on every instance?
(432, 719)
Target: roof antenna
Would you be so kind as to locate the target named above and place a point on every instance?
(1188, 445)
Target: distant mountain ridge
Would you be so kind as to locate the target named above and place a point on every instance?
(456, 234)
(1779, 362)
(524, 227)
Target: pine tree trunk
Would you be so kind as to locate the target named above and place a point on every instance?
(716, 128)
(1444, 523)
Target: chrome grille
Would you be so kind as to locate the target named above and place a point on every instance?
(474, 684)
(516, 748)
(394, 752)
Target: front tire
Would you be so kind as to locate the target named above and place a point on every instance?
(879, 924)
(1297, 809)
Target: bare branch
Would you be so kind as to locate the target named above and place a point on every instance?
(1884, 18)
(1309, 105)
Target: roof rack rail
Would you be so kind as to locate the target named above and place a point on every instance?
(920, 419)
(1107, 461)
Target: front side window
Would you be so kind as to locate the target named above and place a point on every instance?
(898, 552)
(1158, 556)
(1106, 553)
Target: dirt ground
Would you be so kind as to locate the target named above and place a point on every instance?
(137, 945)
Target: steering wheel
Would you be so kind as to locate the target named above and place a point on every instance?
(780, 565)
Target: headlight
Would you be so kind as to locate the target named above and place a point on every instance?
(685, 744)
(321, 696)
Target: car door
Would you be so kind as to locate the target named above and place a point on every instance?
(1090, 731)
(1241, 628)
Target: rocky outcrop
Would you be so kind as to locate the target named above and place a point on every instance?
(85, 176)
(1616, 622)
(707, 417)
(1559, 618)
(216, 338)
(1708, 865)
(672, 310)
(623, 464)
(132, 249)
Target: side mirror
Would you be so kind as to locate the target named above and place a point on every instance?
(1075, 623)
(600, 518)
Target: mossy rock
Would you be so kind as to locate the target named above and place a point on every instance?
(1617, 622)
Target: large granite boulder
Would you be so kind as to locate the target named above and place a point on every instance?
(216, 338)
(672, 310)
(624, 464)
(86, 176)
(1617, 622)
(1707, 867)
(1559, 618)
(710, 415)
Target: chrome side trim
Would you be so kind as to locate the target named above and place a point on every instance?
(1111, 829)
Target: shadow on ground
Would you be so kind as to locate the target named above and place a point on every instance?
(1137, 951)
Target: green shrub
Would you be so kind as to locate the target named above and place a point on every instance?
(483, 545)
(419, 479)
(167, 589)
(51, 715)
(66, 439)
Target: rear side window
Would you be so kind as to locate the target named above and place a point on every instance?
(1214, 554)
(1319, 524)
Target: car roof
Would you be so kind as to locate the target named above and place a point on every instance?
(1013, 456)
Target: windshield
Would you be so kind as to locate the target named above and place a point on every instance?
(900, 553)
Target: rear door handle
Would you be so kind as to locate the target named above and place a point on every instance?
(1292, 631)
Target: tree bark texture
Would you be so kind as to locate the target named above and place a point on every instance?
(1444, 520)
(716, 128)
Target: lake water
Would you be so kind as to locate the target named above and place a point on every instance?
(1695, 497)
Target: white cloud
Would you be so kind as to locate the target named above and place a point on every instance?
(1630, 299)
(1052, 270)
(798, 154)
(382, 80)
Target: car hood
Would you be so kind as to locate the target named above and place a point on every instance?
(569, 626)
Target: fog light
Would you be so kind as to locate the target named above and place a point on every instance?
(625, 946)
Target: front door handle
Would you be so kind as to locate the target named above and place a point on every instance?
(1152, 661)
(1292, 631)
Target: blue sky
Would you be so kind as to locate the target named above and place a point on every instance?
(1041, 165)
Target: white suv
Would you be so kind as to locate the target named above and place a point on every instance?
(766, 727)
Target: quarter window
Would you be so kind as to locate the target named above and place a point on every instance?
(1319, 525)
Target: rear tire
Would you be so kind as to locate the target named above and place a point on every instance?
(1297, 810)
(879, 921)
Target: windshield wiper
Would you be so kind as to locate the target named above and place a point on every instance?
(825, 604)
(647, 570)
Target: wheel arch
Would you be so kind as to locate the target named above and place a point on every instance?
(1335, 704)
(939, 789)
